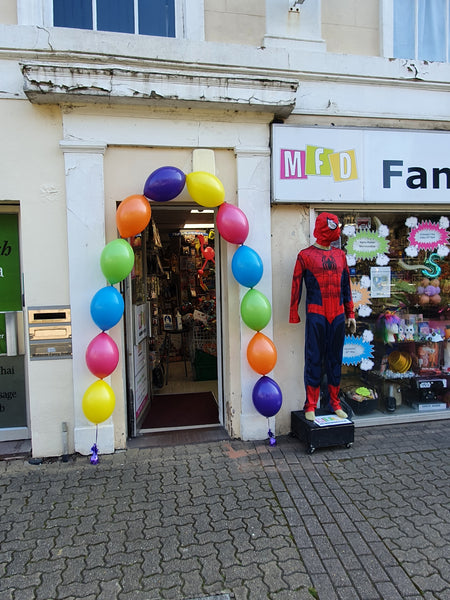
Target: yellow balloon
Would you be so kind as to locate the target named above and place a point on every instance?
(205, 188)
(98, 402)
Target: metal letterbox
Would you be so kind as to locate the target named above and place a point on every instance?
(50, 332)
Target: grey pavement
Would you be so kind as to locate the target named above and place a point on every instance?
(232, 520)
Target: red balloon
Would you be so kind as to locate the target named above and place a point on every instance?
(232, 223)
(133, 215)
(208, 253)
(261, 353)
(102, 355)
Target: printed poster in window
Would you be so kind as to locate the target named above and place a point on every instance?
(140, 322)
(380, 282)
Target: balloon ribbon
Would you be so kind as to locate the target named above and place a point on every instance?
(94, 458)
(272, 439)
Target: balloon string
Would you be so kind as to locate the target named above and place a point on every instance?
(272, 439)
(94, 458)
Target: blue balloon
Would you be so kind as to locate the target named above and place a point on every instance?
(267, 396)
(247, 266)
(107, 307)
(164, 184)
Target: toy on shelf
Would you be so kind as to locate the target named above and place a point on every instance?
(388, 327)
(429, 291)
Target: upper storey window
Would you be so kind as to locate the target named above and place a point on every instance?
(168, 18)
(421, 29)
(148, 17)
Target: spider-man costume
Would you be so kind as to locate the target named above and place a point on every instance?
(328, 304)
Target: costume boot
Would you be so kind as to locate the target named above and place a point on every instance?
(312, 398)
(335, 403)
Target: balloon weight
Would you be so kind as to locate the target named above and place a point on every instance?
(133, 215)
(117, 260)
(247, 266)
(205, 188)
(255, 310)
(267, 397)
(98, 402)
(232, 223)
(102, 355)
(164, 184)
(261, 354)
(107, 307)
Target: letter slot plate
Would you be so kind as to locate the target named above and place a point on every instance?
(50, 332)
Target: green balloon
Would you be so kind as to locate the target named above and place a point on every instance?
(117, 260)
(255, 310)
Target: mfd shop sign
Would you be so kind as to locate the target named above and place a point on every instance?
(360, 165)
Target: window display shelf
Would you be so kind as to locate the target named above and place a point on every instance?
(399, 358)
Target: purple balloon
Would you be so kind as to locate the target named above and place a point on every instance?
(267, 397)
(164, 184)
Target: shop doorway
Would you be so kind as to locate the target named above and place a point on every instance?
(173, 324)
(13, 404)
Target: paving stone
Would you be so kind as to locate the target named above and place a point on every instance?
(234, 521)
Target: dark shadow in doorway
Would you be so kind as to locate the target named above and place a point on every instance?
(181, 410)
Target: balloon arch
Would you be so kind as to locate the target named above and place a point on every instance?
(117, 260)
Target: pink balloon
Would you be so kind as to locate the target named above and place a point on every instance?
(102, 355)
(232, 223)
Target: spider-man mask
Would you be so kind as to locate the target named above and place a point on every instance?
(327, 229)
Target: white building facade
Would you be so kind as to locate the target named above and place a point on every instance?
(87, 115)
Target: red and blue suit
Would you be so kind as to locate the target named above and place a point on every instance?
(328, 304)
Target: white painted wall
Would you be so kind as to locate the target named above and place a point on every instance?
(333, 89)
(32, 173)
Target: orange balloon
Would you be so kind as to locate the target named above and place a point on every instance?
(261, 353)
(133, 215)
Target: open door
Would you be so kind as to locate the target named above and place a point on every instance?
(180, 348)
(137, 333)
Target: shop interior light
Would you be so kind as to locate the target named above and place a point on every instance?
(198, 226)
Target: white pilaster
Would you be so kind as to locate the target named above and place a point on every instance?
(86, 240)
(253, 198)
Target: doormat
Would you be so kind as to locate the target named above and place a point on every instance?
(181, 410)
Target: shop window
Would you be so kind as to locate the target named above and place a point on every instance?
(168, 18)
(399, 359)
(419, 29)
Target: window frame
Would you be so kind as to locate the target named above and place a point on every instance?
(189, 17)
(387, 30)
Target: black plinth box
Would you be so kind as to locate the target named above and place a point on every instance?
(315, 436)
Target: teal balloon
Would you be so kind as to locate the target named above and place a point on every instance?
(255, 310)
(247, 266)
(117, 260)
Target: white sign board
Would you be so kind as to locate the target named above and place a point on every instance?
(369, 166)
